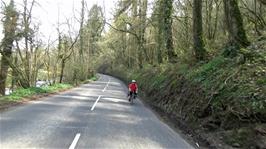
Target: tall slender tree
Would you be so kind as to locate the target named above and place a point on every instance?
(81, 28)
(199, 49)
(156, 17)
(10, 24)
(94, 28)
(168, 34)
(82, 47)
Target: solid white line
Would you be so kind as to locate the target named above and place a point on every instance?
(92, 108)
(75, 141)
(106, 86)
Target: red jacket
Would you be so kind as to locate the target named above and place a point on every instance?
(133, 87)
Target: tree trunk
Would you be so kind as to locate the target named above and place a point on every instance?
(140, 57)
(217, 4)
(135, 42)
(26, 40)
(209, 22)
(4, 67)
(186, 23)
(14, 74)
(82, 72)
(234, 23)
(256, 19)
(199, 49)
(159, 46)
(81, 28)
(59, 55)
(63, 63)
(168, 30)
(10, 24)
(143, 13)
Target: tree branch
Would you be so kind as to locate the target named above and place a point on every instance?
(121, 30)
(71, 48)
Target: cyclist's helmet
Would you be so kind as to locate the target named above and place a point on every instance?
(133, 81)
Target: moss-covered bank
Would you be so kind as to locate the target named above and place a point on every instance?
(224, 97)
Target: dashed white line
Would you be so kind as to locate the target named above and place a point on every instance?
(75, 141)
(106, 86)
(92, 108)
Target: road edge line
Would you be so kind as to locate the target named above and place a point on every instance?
(75, 141)
(92, 108)
(106, 85)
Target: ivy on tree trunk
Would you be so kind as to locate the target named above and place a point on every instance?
(10, 24)
(236, 32)
(199, 49)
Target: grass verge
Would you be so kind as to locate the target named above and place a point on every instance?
(23, 95)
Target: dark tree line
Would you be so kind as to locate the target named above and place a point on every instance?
(177, 29)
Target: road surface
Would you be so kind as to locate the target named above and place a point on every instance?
(94, 115)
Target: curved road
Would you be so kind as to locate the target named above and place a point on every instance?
(94, 115)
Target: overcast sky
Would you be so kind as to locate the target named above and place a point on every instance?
(46, 12)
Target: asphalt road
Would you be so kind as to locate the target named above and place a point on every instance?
(94, 115)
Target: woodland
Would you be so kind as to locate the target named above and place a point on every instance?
(200, 62)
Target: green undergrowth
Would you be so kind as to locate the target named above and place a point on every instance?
(225, 94)
(22, 93)
(93, 78)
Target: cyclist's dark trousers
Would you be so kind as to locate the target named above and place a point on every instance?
(132, 92)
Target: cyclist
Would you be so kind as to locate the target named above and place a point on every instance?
(132, 89)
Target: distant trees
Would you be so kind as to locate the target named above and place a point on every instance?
(134, 24)
(78, 50)
(143, 32)
(69, 58)
(94, 27)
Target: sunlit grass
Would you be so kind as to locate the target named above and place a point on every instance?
(22, 93)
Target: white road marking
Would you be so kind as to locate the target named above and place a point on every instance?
(75, 141)
(106, 86)
(92, 108)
